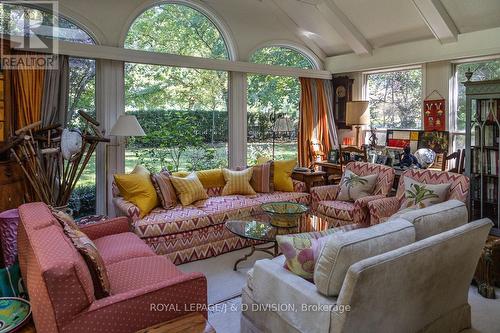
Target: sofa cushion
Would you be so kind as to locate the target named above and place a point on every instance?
(353, 186)
(340, 210)
(137, 273)
(238, 182)
(219, 209)
(299, 197)
(165, 222)
(421, 195)
(262, 177)
(164, 189)
(436, 219)
(301, 253)
(94, 261)
(188, 189)
(137, 188)
(341, 250)
(282, 178)
(118, 247)
(209, 178)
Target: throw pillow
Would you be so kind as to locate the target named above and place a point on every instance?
(283, 175)
(164, 189)
(343, 249)
(188, 189)
(212, 178)
(64, 218)
(238, 182)
(262, 178)
(301, 251)
(420, 195)
(93, 259)
(137, 188)
(263, 159)
(353, 187)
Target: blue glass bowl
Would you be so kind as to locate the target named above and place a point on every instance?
(284, 214)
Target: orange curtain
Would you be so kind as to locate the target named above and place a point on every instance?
(316, 121)
(28, 80)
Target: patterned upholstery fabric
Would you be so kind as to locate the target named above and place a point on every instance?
(60, 286)
(118, 247)
(380, 210)
(197, 231)
(339, 213)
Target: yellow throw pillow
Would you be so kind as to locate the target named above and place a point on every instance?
(137, 188)
(283, 175)
(238, 182)
(209, 178)
(263, 160)
(189, 189)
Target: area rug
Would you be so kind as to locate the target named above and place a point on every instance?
(224, 283)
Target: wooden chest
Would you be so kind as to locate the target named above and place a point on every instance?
(11, 185)
(487, 274)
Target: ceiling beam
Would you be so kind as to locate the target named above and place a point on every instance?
(290, 24)
(344, 27)
(438, 20)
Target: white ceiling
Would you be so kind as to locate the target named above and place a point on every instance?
(327, 27)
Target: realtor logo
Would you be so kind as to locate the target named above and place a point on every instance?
(32, 33)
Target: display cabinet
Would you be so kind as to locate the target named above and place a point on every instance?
(482, 143)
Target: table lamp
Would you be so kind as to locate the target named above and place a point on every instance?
(357, 115)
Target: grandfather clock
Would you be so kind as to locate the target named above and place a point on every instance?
(342, 93)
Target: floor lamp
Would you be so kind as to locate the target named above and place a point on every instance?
(357, 115)
(126, 126)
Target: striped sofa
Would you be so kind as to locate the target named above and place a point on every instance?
(189, 233)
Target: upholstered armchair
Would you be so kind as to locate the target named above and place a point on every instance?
(338, 213)
(380, 210)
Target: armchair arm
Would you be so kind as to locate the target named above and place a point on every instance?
(382, 208)
(126, 208)
(323, 193)
(299, 186)
(151, 305)
(117, 225)
(361, 210)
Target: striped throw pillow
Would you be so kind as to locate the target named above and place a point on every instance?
(164, 189)
(238, 182)
(262, 178)
(188, 189)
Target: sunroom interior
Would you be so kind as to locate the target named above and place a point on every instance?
(345, 120)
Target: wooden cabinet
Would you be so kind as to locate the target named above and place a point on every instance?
(11, 185)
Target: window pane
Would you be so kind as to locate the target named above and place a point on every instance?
(273, 106)
(487, 70)
(176, 29)
(184, 114)
(82, 97)
(396, 99)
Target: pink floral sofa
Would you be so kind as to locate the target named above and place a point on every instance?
(380, 210)
(194, 232)
(61, 289)
(339, 213)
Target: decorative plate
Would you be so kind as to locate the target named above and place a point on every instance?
(284, 214)
(14, 313)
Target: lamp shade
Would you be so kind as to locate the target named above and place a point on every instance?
(357, 113)
(127, 126)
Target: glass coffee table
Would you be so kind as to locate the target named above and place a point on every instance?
(258, 228)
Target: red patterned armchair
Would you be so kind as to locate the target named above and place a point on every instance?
(381, 210)
(339, 213)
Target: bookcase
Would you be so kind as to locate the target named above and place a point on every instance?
(482, 143)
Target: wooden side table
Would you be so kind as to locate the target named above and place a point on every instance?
(193, 323)
(488, 268)
(331, 169)
(310, 178)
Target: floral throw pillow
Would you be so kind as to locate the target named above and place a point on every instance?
(353, 187)
(420, 195)
(302, 250)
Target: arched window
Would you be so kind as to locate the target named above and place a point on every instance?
(273, 105)
(177, 29)
(23, 20)
(182, 110)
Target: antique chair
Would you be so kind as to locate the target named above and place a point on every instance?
(338, 213)
(380, 210)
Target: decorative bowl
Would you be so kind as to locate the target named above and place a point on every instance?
(284, 214)
(14, 313)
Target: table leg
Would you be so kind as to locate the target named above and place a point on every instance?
(267, 249)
